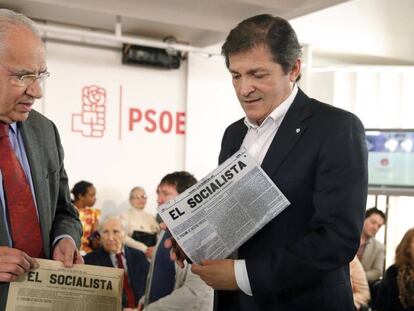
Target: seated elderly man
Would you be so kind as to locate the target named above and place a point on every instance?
(114, 253)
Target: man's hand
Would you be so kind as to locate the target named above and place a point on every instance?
(140, 306)
(14, 262)
(176, 253)
(217, 273)
(65, 251)
(149, 252)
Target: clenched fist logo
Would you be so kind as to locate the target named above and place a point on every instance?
(91, 121)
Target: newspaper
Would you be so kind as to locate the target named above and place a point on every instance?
(223, 210)
(54, 287)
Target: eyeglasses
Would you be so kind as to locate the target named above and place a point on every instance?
(136, 197)
(26, 79)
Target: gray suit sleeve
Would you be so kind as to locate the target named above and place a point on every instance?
(190, 293)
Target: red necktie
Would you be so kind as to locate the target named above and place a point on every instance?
(25, 228)
(127, 288)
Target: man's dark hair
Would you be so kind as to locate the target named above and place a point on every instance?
(180, 180)
(273, 32)
(374, 210)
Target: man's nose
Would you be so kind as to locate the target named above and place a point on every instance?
(35, 89)
(160, 200)
(246, 87)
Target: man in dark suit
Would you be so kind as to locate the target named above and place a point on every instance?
(316, 155)
(114, 253)
(30, 148)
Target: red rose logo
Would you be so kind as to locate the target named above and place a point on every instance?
(91, 121)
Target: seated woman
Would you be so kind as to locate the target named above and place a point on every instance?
(84, 194)
(142, 228)
(396, 292)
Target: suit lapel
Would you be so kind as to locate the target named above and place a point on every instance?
(289, 132)
(106, 258)
(241, 131)
(128, 260)
(233, 141)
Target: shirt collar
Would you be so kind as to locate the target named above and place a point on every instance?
(122, 251)
(14, 127)
(278, 113)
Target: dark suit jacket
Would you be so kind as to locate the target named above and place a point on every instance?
(137, 266)
(57, 215)
(299, 260)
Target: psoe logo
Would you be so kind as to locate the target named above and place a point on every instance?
(91, 121)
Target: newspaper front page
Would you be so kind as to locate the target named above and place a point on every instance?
(54, 287)
(223, 210)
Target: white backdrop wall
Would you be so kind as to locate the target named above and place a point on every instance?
(138, 115)
(211, 106)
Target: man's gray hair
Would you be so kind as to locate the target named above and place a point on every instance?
(121, 220)
(10, 18)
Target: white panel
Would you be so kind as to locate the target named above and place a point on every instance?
(344, 90)
(322, 86)
(367, 93)
(389, 106)
(407, 105)
(211, 106)
(400, 219)
(121, 158)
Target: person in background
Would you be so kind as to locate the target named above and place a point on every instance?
(371, 252)
(359, 283)
(84, 194)
(396, 292)
(168, 287)
(114, 253)
(94, 240)
(37, 219)
(142, 226)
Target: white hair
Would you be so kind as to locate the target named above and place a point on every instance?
(10, 18)
(121, 220)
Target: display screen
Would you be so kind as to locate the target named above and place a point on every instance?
(391, 157)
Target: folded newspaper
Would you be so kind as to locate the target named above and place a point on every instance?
(214, 217)
(54, 287)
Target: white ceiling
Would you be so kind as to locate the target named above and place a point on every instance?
(195, 22)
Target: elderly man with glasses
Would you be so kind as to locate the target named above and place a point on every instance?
(37, 219)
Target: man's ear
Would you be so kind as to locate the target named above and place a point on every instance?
(295, 72)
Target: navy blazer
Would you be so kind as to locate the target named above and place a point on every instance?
(137, 266)
(300, 259)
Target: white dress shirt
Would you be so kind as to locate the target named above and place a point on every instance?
(257, 142)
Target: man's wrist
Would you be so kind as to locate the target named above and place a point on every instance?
(63, 236)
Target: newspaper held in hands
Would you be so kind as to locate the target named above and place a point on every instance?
(53, 287)
(214, 217)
